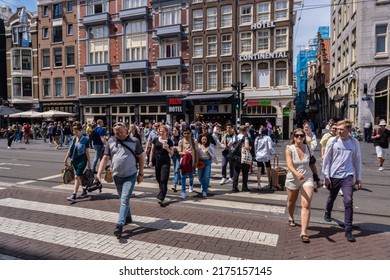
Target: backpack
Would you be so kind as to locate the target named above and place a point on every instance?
(235, 151)
(186, 163)
(94, 135)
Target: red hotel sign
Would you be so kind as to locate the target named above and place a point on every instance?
(174, 105)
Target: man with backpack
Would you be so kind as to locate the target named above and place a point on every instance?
(381, 142)
(99, 141)
(235, 157)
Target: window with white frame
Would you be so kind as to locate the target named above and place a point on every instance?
(135, 40)
(381, 39)
(198, 77)
(57, 87)
(69, 6)
(246, 42)
(57, 10)
(226, 16)
(263, 75)
(169, 48)
(21, 36)
(21, 59)
(129, 4)
(135, 82)
(212, 77)
(98, 84)
(46, 90)
(46, 58)
(98, 45)
(69, 30)
(226, 44)
(263, 12)
(197, 20)
(281, 9)
(170, 81)
(97, 6)
(245, 14)
(57, 34)
(170, 15)
(212, 46)
(198, 47)
(211, 18)
(246, 74)
(263, 40)
(45, 11)
(57, 54)
(22, 87)
(280, 73)
(45, 33)
(281, 38)
(70, 86)
(69, 51)
(227, 75)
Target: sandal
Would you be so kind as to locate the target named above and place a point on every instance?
(305, 238)
(291, 223)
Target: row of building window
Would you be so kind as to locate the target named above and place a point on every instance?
(57, 9)
(247, 12)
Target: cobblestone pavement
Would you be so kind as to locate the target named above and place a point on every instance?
(41, 224)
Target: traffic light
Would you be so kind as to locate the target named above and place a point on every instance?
(242, 85)
(244, 101)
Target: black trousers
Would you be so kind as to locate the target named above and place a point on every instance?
(244, 168)
(162, 169)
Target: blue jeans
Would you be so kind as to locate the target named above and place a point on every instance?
(176, 168)
(183, 180)
(225, 162)
(98, 154)
(346, 185)
(204, 175)
(124, 187)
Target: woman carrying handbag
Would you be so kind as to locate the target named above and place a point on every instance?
(79, 154)
(206, 153)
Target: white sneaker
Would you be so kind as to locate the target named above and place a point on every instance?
(230, 180)
(259, 187)
(8, 147)
(183, 195)
(72, 198)
(223, 181)
(381, 168)
(204, 194)
(341, 192)
(190, 188)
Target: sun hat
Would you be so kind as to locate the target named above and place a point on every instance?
(382, 122)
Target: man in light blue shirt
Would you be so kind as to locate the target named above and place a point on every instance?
(342, 160)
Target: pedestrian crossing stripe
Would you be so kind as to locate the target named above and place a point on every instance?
(103, 244)
(250, 236)
(218, 203)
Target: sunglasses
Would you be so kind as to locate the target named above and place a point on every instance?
(120, 124)
(299, 135)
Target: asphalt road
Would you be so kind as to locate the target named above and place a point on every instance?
(38, 165)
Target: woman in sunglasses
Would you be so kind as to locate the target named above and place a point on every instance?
(299, 178)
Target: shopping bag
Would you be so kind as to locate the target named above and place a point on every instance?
(108, 175)
(67, 174)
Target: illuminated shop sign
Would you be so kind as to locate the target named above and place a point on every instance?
(259, 56)
(174, 105)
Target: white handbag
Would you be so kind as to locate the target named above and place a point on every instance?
(246, 156)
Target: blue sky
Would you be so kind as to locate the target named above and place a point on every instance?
(314, 13)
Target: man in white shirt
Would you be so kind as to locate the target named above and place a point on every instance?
(342, 160)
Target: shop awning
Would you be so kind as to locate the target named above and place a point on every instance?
(208, 96)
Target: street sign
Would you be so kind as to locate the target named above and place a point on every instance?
(353, 105)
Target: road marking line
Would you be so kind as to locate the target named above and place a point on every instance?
(50, 177)
(16, 164)
(1, 188)
(104, 190)
(26, 182)
(256, 237)
(5, 168)
(99, 243)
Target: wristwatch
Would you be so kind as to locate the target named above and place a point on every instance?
(140, 174)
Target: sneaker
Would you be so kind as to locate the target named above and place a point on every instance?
(204, 194)
(190, 188)
(174, 188)
(381, 168)
(72, 198)
(161, 203)
(246, 189)
(183, 195)
(118, 231)
(349, 236)
(223, 181)
(235, 190)
(327, 217)
(230, 180)
(8, 147)
(259, 186)
(84, 194)
(341, 193)
(129, 220)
